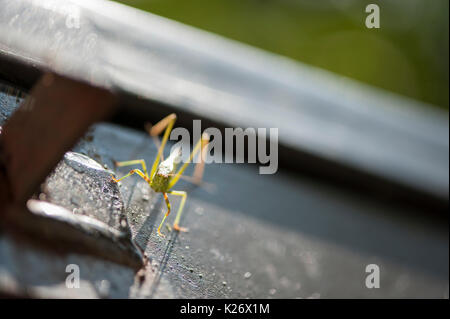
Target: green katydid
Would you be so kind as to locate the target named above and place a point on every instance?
(163, 176)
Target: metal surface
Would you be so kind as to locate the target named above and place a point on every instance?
(327, 124)
(296, 237)
(250, 236)
(284, 235)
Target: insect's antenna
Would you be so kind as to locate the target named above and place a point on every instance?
(148, 128)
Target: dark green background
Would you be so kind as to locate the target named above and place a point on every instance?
(407, 55)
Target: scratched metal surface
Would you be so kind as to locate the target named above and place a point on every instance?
(296, 238)
(105, 43)
(250, 235)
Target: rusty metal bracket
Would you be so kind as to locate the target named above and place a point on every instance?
(46, 125)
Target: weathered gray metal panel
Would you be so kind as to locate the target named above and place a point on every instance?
(264, 236)
(330, 117)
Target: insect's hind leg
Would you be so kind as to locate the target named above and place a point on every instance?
(155, 130)
(180, 210)
(199, 168)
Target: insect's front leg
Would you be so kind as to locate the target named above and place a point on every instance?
(180, 210)
(133, 171)
(166, 198)
(134, 162)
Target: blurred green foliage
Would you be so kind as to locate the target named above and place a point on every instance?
(408, 55)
